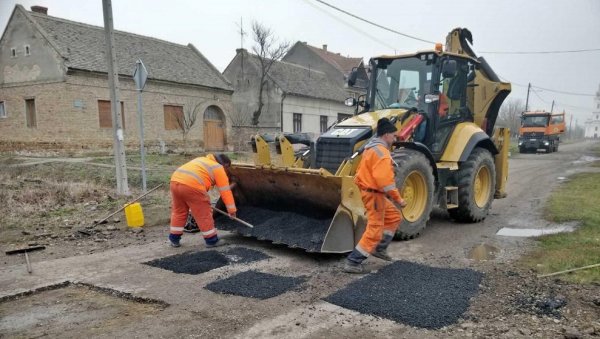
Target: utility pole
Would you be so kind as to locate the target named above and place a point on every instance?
(527, 101)
(552, 109)
(113, 84)
(570, 128)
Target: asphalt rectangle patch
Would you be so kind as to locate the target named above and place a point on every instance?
(204, 261)
(412, 294)
(253, 284)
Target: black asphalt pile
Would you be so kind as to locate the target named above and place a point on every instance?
(281, 227)
(242, 255)
(253, 284)
(204, 261)
(412, 294)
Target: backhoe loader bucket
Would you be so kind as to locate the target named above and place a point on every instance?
(297, 207)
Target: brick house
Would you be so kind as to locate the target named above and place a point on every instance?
(336, 66)
(297, 99)
(54, 86)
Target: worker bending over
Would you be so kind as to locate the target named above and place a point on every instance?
(375, 178)
(190, 184)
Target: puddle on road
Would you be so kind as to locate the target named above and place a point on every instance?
(586, 159)
(533, 232)
(483, 252)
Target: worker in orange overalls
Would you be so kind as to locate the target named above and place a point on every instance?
(190, 184)
(375, 178)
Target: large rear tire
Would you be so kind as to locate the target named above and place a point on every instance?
(414, 179)
(476, 187)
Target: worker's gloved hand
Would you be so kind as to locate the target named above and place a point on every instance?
(232, 215)
(402, 203)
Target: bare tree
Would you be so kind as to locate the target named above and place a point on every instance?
(268, 50)
(187, 120)
(510, 114)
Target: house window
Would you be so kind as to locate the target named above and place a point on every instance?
(13, 52)
(596, 129)
(30, 114)
(2, 110)
(297, 122)
(323, 123)
(27, 50)
(173, 117)
(105, 114)
(343, 116)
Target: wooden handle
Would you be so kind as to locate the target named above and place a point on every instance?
(129, 203)
(234, 218)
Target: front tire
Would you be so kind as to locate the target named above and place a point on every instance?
(476, 187)
(414, 179)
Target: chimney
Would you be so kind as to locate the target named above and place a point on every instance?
(240, 50)
(40, 9)
(324, 47)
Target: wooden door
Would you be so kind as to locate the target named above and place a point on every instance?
(214, 135)
(30, 113)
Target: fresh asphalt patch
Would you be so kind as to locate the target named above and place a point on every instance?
(204, 261)
(412, 294)
(280, 227)
(253, 284)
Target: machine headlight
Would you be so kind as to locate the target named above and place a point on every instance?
(520, 143)
(546, 143)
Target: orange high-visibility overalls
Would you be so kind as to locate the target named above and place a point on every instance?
(190, 184)
(375, 178)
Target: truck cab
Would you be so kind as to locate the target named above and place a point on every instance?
(540, 131)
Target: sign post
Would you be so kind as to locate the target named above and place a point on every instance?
(140, 75)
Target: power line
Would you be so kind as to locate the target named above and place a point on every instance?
(548, 89)
(543, 52)
(373, 23)
(563, 92)
(383, 43)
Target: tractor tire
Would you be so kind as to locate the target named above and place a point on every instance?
(476, 187)
(414, 179)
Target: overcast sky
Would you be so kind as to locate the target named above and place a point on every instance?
(507, 25)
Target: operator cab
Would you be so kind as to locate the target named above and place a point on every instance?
(434, 84)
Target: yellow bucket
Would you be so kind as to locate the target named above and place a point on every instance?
(134, 215)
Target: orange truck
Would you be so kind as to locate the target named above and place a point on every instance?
(540, 131)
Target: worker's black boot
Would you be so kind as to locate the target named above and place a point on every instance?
(215, 242)
(381, 249)
(353, 263)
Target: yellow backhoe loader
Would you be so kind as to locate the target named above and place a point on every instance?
(443, 101)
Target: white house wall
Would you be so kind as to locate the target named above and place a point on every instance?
(311, 110)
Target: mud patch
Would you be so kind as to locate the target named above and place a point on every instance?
(253, 284)
(204, 261)
(412, 294)
(281, 227)
(73, 310)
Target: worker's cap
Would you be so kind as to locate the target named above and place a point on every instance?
(385, 126)
(223, 159)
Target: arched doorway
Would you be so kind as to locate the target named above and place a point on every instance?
(214, 129)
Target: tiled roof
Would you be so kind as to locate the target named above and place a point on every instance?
(83, 47)
(342, 63)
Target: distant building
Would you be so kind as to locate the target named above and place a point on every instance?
(297, 99)
(336, 66)
(592, 125)
(54, 85)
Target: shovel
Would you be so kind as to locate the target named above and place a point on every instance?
(234, 218)
(25, 250)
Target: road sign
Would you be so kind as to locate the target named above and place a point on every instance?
(140, 75)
